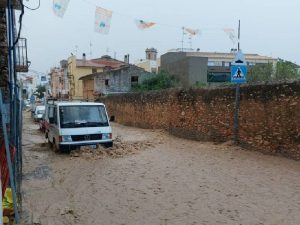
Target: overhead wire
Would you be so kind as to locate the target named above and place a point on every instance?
(36, 8)
(20, 22)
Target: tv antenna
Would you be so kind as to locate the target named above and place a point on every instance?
(76, 49)
(182, 40)
(91, 52)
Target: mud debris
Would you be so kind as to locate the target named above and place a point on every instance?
(120, 149)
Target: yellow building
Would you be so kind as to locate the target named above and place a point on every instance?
(78, 68)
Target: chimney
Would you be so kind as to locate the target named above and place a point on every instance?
(83, 57)
(126, 58)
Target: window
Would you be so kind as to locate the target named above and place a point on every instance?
(227, 64)
(82, 116)
(107, 82)
(43, 78)
(214, 63)
(134, 79)
(94, 70)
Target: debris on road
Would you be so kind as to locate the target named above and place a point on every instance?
(120, 149)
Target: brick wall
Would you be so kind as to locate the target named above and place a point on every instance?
(269, 115)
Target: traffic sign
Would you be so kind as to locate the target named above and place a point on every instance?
(32, 99)
(239, 69)
(238, 73)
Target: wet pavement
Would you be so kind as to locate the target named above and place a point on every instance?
(150, 177)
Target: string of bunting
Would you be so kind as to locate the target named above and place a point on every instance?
(103, 21)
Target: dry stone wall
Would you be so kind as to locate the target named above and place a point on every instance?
(269, 115)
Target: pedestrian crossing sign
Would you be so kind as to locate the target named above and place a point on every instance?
(238, 73)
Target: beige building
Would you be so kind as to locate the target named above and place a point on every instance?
(59, 84)
(151, 63)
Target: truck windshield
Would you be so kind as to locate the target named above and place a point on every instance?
(82, 116)
(40, 111)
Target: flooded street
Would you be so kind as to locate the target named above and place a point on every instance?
(153, 178)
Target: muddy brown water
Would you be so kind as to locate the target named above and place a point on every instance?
(154, 178)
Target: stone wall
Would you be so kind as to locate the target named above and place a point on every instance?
(3, 51)
(3, 61)
(269, 115)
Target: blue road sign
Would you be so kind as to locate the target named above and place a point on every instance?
(238, 73)
(32, 99)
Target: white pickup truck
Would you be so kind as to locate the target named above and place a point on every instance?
(70, 125)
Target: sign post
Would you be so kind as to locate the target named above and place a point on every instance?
(238, 76)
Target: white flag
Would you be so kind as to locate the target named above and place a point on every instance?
(102, 20)
(141, 24)
(192, 31)
(60, 7)
(231, 33)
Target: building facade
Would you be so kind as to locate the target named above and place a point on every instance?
(118, 80)
(78, 68)
(59, 84)
(191, 68)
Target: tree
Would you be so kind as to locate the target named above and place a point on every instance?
(39, 92)
(286, 70)
(159, 81)
(260, 72)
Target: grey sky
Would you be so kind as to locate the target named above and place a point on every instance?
(269, 27)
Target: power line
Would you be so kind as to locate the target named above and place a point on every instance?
(36, 8)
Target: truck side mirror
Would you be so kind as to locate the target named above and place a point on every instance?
(112, 119)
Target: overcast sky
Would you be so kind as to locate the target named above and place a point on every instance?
(268, 27)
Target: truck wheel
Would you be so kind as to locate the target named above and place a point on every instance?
(50, 144)
(54, 147)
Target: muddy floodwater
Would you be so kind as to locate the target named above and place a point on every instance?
(152, 178)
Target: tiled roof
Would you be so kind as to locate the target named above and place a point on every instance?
(100, 63)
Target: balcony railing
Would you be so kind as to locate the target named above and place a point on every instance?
(22, 62)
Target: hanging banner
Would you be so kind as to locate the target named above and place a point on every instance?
(60, 7)
(231, 34)
(141, 24)
(102, 20)
(192, 31)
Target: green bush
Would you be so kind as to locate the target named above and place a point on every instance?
(158, 81)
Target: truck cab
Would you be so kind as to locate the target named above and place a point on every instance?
(70, 125)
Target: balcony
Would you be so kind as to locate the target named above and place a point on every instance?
(22, 63)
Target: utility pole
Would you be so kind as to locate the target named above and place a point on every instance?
(182, 40)
(91, 52)
(237, 99)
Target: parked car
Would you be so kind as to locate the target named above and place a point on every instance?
(38, 112)
(70, 125)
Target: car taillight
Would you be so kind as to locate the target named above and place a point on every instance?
(60, 138)
(110, 135)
